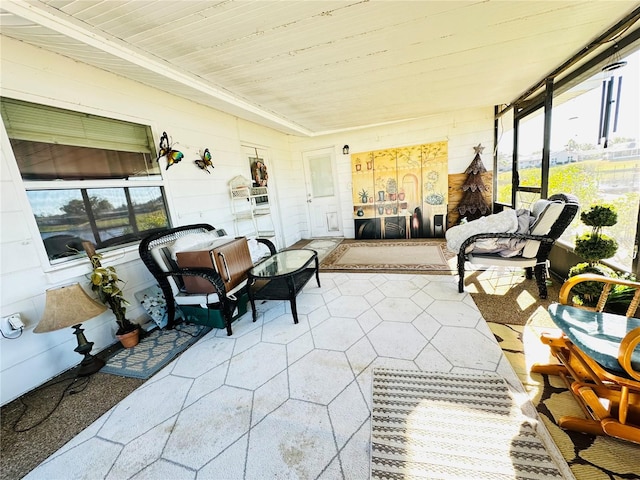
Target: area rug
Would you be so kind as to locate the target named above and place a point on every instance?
(589, 457)
(505, 296)
(452, 425)
(323, 246)
(154, 351)
(387, 255)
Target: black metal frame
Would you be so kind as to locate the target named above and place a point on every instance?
(283, 287)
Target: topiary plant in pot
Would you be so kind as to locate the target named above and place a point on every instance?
(594, 246)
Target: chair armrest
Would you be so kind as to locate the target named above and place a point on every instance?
(269, 244)
(627, 346)
(208, 274)
(518, 236)
(571, 282)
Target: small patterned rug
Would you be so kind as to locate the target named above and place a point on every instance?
(154, 351)
(448, 425)
(385, 255)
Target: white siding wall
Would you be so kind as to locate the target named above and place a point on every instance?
(462, 129)
(35, 75)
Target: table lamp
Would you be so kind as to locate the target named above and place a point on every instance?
(69, 306)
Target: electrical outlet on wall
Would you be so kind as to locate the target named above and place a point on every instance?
(15, 321)
(11, 326)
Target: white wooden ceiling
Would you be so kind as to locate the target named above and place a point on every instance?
(315, 67)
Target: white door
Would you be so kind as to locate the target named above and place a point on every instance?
(322, 193)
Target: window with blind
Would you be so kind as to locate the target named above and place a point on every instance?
(87, 177)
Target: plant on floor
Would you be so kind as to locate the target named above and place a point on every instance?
(594, 246)
(105, 282)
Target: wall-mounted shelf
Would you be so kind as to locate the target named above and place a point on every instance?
(251, 209)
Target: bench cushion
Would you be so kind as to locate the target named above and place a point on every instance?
(545, 213)
(596, 334)
(153, 302)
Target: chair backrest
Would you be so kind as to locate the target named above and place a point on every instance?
(553, 216)
(155, 254)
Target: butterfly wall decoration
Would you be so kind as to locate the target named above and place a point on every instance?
(205, 161)
(166, 150)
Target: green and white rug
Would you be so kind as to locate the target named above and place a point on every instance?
(428, 425)
(154, 351)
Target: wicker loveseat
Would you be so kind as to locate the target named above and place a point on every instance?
(155, 252)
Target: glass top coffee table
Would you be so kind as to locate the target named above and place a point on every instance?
(281, 277)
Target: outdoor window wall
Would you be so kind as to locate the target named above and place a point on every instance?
(87, 178)
(582, 161)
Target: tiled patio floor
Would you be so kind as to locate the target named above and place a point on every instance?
(278, 400)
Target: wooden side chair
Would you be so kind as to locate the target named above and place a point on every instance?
(599, 357)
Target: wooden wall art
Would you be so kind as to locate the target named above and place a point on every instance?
(401, 192)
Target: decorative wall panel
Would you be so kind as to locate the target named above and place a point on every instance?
(401, 192)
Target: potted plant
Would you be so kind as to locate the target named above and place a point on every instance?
(392, 188)
(104, 281)
(594, 246)
(364, 196)
(434, 199)
(380, 185)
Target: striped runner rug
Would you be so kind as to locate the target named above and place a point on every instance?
(436, 425)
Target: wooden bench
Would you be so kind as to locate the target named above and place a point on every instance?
(599, 360)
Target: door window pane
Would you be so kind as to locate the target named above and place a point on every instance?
(505, 158)
(530, 142)
(321, 175)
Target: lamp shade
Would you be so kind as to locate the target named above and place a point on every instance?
(67, 306)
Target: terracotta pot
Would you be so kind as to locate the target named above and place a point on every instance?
(130, 339)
